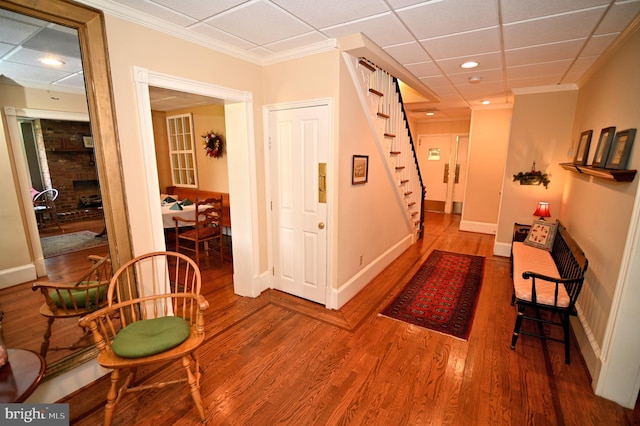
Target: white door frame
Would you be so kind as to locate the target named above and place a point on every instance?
(12, 116)
(266, 111)
(242, 170)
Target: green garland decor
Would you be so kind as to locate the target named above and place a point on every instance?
(534, 177)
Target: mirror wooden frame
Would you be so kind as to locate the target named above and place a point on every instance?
(90, 25)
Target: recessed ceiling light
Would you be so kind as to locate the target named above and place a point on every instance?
(431, 113)
(485, 102)
(52, 61)
(475, 79)
(469, 64)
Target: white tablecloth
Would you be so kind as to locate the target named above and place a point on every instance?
(187, 212)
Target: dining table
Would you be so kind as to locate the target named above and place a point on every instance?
(187, 212)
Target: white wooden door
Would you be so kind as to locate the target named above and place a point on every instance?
(434, 158)
(299, 141)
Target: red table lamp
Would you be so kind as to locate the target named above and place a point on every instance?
(542, 210)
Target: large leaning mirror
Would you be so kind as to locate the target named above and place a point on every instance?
(92, 148)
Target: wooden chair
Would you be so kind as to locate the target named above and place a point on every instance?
(44, 206)
(158, 319)
(205, 228)
(69, 300)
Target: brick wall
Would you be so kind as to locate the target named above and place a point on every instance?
(72, 167)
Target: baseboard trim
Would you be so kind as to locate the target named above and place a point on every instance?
(502, 249)
(18, 275)
(357, 282)
(479, 227)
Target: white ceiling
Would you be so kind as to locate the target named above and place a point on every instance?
(518, 43)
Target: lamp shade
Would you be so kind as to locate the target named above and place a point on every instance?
(542, 210)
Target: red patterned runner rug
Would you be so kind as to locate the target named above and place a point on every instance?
(442, 295)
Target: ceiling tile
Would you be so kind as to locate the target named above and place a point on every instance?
(544, 53)
(486, 61)
(384, 29)
(15, 32)
(542, 69)
(438, 18)
(553, 29)
(219, 35)
(150, 8)
(597, 44)
(333, 12)
(296, 42)
(620, 15)
(424, 69)
(30, 56)
(407, 53)
(466, 44)
(259, 23)
(21, 72)
(518, 10)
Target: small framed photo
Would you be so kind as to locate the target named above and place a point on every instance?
(604, 143)
(360, 171)
(88, 141)
(620, 149)
(583, 148)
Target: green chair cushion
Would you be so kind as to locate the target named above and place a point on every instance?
(150, 337)
(80, 296)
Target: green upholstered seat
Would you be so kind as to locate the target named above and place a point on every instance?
(149, 337)
(80, 296)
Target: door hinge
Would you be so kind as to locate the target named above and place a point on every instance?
(273, 271)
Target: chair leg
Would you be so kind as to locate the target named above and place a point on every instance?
(112, 395)
(44, 347)
(567, 338)
(516, 328)
(194, 386)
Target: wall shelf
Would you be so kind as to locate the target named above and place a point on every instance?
(609, 174)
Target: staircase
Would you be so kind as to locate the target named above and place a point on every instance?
(380, 95)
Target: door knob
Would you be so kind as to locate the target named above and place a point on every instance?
(321, 225)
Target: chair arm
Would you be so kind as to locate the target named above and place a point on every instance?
(202, 303)
(44, 289)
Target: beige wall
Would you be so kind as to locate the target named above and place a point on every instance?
(541, 131)
(213, 173)
(132, 45)
(598, 213)
(487, 152)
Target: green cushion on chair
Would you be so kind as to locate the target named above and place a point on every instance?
(149, 337)
(80, 296)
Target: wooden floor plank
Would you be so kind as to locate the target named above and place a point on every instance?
(277, 359)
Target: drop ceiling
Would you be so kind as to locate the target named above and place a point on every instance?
(517, 43)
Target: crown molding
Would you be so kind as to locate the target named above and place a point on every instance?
(545, 89)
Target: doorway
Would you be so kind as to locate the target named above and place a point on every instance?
(443, 162)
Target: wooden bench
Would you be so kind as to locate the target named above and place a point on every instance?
(549, 281)
(192, 194)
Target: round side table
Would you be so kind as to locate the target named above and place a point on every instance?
(21, 375)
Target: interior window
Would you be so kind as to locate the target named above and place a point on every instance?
(182, 151)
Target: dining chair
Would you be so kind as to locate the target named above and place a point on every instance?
(154, 315)
(44, 206)
(205, 228)
(72, 300)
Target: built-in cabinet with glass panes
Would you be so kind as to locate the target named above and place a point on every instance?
(182, 150)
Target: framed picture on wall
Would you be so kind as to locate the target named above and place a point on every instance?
(583, 148)
(620, 149)
(604, 143)
(87, 141)
(360, 171)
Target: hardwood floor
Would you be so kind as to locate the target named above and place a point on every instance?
(277, 359)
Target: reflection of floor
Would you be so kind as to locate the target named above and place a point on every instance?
(23, 326)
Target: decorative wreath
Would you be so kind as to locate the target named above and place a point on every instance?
(212, 144)
(534, 177)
